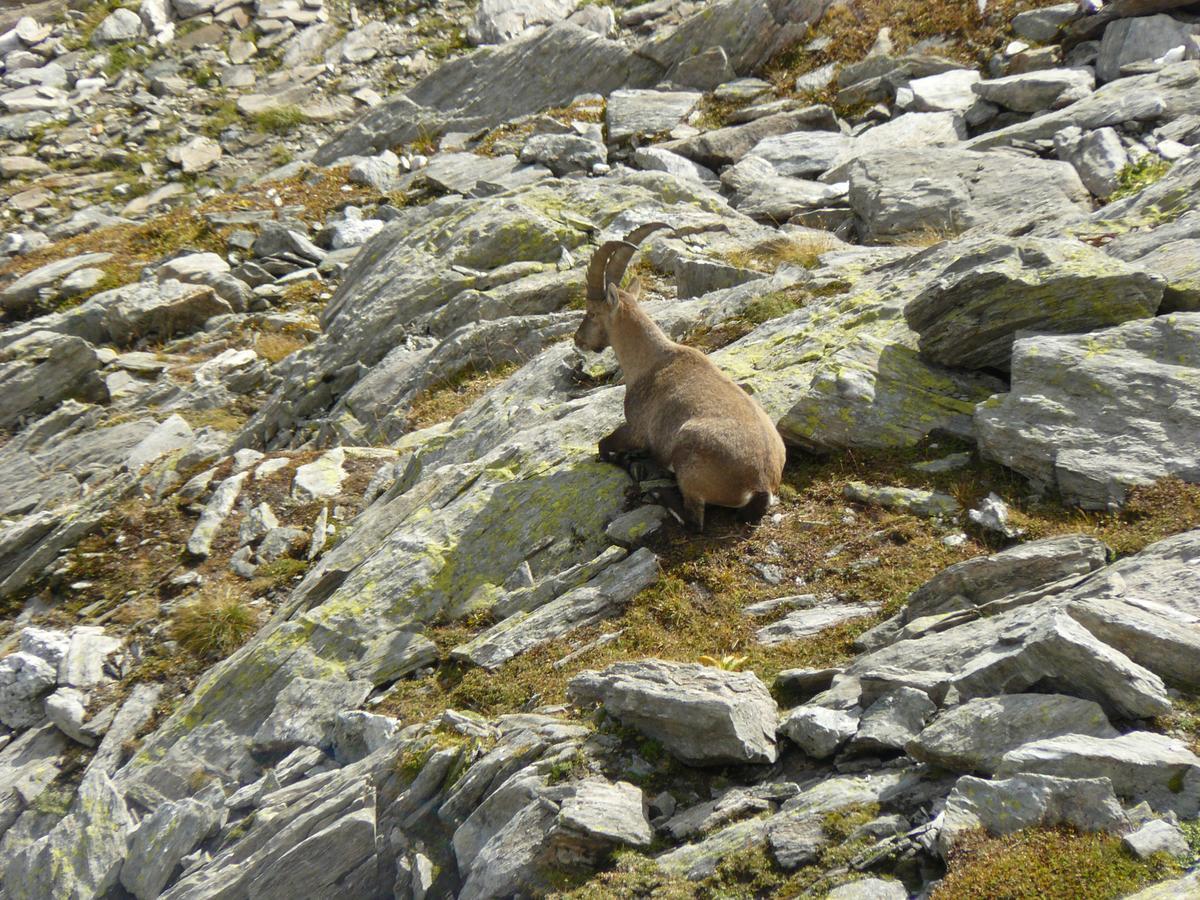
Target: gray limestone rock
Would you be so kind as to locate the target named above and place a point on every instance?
(892, 721)
(1141, 38)
(564, 153)
(600, 598)
(1157, 836)
(659, 160)
(1094, 415)
(632, 114)
(893, 196)
(216, 511)
(1160, 96)
(25, 291)
(497, 21)
(306, 713)
(1033, 92)
(1098, 157)
(1042, 25)
(1026, 800)
(1027, 570)
(973, 737)
(869, 889)
(997, 287)
(818, 731)
(117, 27)
(1176, 889)
(25, 680)
(1142, 766)
(702, 715)
(42, 369)
(1041, 645)
(722, 146)
(813, 619)
(81, 856)
(164, 838)
(928, 504)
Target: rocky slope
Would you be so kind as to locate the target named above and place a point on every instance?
(312, 582)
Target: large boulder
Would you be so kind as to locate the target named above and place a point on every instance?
(701, 715)
(1032, 92)
(1026, 801)
(973, 737)
(896, 200)
(537, 71)
(1094, 415)
(1139, 39)
(997, 287)
(1142, 766)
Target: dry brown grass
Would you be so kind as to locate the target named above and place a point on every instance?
(798, 250)
(852, 26)
(277, 345)
(880, 556)
(215, 624)
(446, 399)
(136, 246)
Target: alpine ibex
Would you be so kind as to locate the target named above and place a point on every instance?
(693, 420)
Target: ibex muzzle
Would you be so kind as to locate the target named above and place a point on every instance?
(682, 409)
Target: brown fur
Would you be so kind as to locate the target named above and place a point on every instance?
(721, 445)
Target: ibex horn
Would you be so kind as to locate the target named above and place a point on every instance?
(614, 269)
(595, 273)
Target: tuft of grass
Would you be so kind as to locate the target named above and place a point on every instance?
(125, 57)
(276, 346)
(215, 624)
(768, 256)
(1139, 175)
(447, 398)
(224, 115)
(230, 420)
(573, 768)
(280, 120)
(1048, 864)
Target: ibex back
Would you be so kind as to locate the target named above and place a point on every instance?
(682, 409)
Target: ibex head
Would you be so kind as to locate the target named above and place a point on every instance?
(604, 295)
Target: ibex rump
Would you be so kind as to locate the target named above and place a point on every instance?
(682, 409)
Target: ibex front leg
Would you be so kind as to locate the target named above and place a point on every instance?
(616, 447)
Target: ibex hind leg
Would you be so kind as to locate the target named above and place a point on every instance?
(753, 511)
(686, 511)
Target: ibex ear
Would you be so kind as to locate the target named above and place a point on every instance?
(635, 289)
(612, 296)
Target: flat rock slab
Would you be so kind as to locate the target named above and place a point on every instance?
(802, 623)
(973, 737)
(896, 200)
(633, 113)
(322, 478)
(893, 720)
(1142, 766)
(995, 287)
(1094, 415)
(918, 502)
(1036, 644)
(701, 715)
(1034, 91)
(1020, 570)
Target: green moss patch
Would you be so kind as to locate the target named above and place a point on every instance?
(1048, 864)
